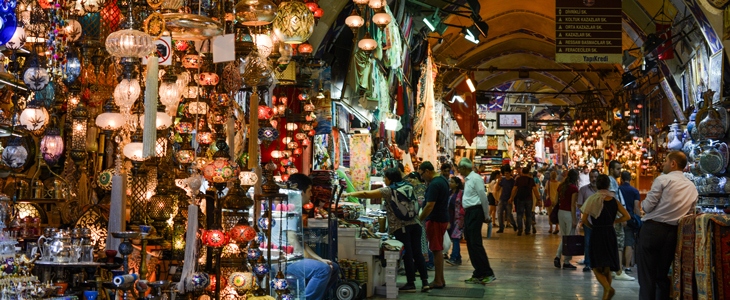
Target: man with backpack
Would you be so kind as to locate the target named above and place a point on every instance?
(436, 215)
(474, 195)
(401, 209)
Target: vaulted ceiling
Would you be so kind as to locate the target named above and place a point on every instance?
(522, 36)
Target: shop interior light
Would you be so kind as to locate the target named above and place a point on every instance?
(433, 22)
(470, 84)
(628, 79)
(471, 34)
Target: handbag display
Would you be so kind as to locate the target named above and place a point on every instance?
(573, 245)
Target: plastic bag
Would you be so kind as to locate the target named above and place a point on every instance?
(447, 241)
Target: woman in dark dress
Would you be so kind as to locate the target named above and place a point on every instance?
(604, 247)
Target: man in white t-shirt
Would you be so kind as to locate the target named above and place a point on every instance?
(584, 177)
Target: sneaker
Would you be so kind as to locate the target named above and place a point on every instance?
(569, 266)
(488, 279)
(556, 262)
(627, 270)
(582, 262)
(586, 269)
(613, 274)
(624, 277)
(408, 288)
(425, 288)
(474, 280)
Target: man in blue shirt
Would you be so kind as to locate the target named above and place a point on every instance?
(504, 190)
(436, 215)
(632, 198)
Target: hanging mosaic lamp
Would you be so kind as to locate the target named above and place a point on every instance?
(215, 238)
(294, 23)
(34, 117)
(35, 76)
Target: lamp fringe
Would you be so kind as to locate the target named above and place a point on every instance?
(149, 137)
(191, 245)
(117, 210)
(253, 129)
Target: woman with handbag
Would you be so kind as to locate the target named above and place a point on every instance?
(603, 207)
(567, 195)
(551, 194)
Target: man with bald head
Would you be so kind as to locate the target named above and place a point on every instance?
(671, 197)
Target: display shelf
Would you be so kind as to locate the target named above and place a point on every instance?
(69, 264)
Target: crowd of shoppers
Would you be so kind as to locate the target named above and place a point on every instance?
(599, 204)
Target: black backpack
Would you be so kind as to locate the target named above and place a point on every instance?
(403, 201)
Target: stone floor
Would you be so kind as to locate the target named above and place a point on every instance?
(524, 269)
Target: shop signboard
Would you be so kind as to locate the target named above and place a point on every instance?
(588, 31)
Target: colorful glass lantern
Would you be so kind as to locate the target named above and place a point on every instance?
(241, 281)
(292, 145)
(198, 281)
(162, 120)
(279, 283)
(185, 126)
(253, 254)
(51, 146)
(15, 154)
(307, 127)
(255, 12)
(18, 40)
(260, 268)
(185, 156)
(34, 117)
(192, 59)
(207, 79)
(294, 23)
(354, 21)
(298, 151)
(198, 108)
(264, 223)
(215, 238)
(319, 13)
(205, 137)
(170, 94)
(218, 171)
(300, 136)
(306, 48)
(242, 232)
(265, 112)
(309, 107)
(268, 134)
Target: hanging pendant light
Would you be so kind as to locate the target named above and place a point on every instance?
(367, 43)
(35, 76)
(294, 23)
(34, 117)
(255, 12)
(354, 21)
(15, 153)
(51, 146)
(133, 150)
(79, 121)
(110, 119)
(127, 92)
(382, 19)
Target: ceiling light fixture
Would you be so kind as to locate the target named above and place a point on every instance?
(456, 98)
(471, 34)
(433, 22)
(470, 84)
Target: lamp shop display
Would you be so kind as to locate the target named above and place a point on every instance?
(122, 138)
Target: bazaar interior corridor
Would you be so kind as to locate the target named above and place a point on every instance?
(524, 269)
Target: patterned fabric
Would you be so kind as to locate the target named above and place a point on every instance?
(703, 258)
(683, 266)
(360, 161)
(722, 261)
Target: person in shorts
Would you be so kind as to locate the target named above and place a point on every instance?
(436, 215)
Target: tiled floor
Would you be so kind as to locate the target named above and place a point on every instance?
(524, 270)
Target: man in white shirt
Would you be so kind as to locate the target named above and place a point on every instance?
(671, 197)
(471, 200)
(584, 177)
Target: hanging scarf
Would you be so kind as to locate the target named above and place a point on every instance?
(594, 204)
(191, 246)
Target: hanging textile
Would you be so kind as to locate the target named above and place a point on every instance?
(683, 265)
(426, 121)
(721, 261)
(465, 112)
(703, 256)
(360, 161)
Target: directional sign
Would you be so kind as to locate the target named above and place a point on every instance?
(587, 31)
